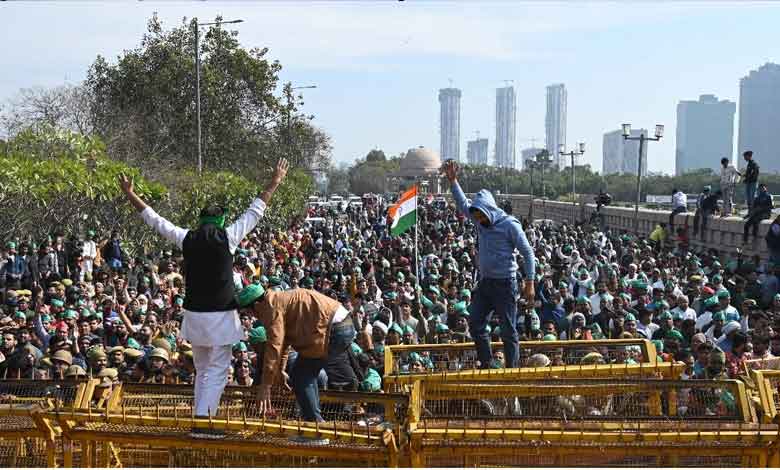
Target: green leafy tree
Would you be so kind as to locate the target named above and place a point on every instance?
(54, 181)
(145, 106)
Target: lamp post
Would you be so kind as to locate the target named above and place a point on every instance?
(197, 80)
(659, 132)
(574, 153)
(542, 160)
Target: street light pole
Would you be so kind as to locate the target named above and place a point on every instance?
(659, 132)
(562, 152)
(197, 81)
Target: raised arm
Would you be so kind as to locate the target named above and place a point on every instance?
(241, 227)
(163, 226)
(451, 170)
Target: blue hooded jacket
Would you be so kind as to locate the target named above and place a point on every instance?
(498, 241)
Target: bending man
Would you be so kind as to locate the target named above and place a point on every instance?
(316, 326)
(499, 236)
(211, 322)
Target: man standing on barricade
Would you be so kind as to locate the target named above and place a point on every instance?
(211, 323)
(499, 236)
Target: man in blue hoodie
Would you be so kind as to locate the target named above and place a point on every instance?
(499, 236)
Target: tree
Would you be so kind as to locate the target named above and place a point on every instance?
(144, 104)
(63, 107)
(376, 156)
(53, 180)
(338, 180)
(370, 175)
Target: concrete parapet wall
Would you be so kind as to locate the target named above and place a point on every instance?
(722, 234)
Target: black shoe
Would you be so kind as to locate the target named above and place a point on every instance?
(206, 433)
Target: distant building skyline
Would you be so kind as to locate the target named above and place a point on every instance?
(759, 116)
(705, 133)
(506, 118)
(449, 123)
(477, 152)
(620, 155)
(555, 121)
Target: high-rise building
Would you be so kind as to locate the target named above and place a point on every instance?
(759, 116)
(477, 152)
(705, 133)
(505, 127)
(449, 122)
(555, 122)
(528, 154)
(621, 155)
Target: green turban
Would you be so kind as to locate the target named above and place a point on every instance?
(257, 335)
(250, 294)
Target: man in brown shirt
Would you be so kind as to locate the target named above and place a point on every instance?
(314, 325)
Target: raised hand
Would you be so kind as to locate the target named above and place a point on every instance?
(125, 183)
(451, 170)
(281, 170)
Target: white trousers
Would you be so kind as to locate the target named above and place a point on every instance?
(211, 370)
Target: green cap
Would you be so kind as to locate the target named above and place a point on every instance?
(70, 314)
(132, 343)
(392, 295)
(582, 300)
(11, 245)
(442, 328)
(719, 316)
(630, 317)
(434, 289)
(250, 294)
(711, 301)
(396, 328)
(723, 294)
(307, 282)
(408, 330)
(665, 316)
(461, 308)
(57, 303)
(549, 337)
(240, 346)
(465, 293)
(674, 334)
(257, 335)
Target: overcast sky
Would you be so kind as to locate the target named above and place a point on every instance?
(378, 65)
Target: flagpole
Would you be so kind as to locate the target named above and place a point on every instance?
(416, 221)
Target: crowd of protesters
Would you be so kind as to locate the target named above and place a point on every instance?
(75, 307)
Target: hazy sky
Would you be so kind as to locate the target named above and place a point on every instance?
(378, 65)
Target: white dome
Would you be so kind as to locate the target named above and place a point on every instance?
(420, 160)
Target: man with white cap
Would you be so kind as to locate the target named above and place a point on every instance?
(211, 323)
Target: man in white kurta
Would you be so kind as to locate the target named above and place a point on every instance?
(211, 333)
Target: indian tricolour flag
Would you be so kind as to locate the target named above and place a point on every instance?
(403, 214)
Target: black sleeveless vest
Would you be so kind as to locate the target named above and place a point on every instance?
(208, 267)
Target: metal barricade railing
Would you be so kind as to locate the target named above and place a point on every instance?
(27, 437)
(660, 370)
(363, 429)
(462, 356)
(767, 383)
(558, 402)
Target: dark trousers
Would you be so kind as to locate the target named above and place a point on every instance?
(753, 221)
(701, 216)
(304, 374)
(677, 210)
(498, 296)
